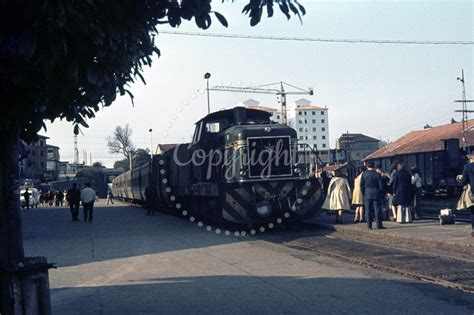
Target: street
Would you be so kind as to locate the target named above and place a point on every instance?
(126, 262)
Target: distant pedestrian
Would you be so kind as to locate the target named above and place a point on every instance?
(110, 196)
(418, 188)
(402, 194)
(26, 196)
(358, 198)
(150, 201)
(372, 189)
(74, 200)
(468, 178)
(59, 198)
(66, 204)
(394, 169)
(339, 194)
(50, 198)
(88, 197)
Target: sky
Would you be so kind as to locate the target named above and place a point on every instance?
(383, 91)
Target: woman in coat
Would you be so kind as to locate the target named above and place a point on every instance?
(358, 199)
(402, 194)
(339, 196)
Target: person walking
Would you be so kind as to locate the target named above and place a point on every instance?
(27, 195)
(418, 187)
(402, 194)
(110, 196)
(358, 198)
(74, 200)
(384, 195)
(339, 194)
(468, 178)
(88, 197)
(372, 189)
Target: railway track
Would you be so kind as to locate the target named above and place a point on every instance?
(430, 266)
(430, 208)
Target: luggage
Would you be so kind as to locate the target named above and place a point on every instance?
(447, 219)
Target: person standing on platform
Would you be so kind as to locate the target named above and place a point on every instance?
(74, 200)
(418, 187)
(358, 199)
(394, 169)
(339, 194)
(468, 178)
(27, 195)
(372, 189)
(150, 201)
(402, 194)
(88, 197)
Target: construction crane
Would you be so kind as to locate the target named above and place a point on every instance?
(281, 92)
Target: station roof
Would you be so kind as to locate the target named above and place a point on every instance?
(426, 140)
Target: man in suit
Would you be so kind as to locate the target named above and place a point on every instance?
(372, 189)
(74, 200)
(468, 178)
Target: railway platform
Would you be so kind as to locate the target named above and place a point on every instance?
(421, 234)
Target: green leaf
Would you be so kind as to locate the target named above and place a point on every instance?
(221, 19)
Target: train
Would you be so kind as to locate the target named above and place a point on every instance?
(240, 168)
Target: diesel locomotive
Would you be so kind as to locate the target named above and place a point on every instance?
(240, 168)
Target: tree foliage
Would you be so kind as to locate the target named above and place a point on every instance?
(68, 58)
(121, 141)
(139, 156)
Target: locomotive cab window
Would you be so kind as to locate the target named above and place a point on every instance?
(213, 127)
(197, 133)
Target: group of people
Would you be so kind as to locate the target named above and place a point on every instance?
(374, 190)
(52, 198)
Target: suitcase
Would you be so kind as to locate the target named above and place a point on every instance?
(447, 219)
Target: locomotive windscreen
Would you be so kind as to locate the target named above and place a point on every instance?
(269, 157)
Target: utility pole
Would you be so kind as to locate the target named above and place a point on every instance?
(207, 76)
(151, 142)
(464, 111)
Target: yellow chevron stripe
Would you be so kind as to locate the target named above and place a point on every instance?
(234, 204)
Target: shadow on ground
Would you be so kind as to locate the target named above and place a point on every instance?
(242, 294)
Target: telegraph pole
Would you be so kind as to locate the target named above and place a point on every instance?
(464, 111)
(207, 76)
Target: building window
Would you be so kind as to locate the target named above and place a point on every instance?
(314, 128)
(305, 121)
(305, 113)
(301, 129)
(324, 145)
(300, 113)
(301, 137)
(324, 137)
(322, 112)
(323, 129)
(314, 113)
(278, 117)
(323, 121)
(300, 121)
(314, 121)
(306, 137)
(314, 137)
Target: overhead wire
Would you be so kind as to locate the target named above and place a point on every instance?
(320, 39)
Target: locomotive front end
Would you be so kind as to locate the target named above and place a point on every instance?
(265, 180)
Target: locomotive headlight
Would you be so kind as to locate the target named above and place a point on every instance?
(297, 170)
(264, 209)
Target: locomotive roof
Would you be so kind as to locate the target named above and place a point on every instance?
(252, 114)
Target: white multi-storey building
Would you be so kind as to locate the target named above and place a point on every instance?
(310, 122)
